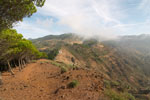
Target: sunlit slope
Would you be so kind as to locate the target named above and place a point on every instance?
(105, 57)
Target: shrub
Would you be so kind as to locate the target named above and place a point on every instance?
(107, 84)
(41, 62)
(113, 95)
(114, 83)
(47, 62)
(129, 96)
(52, 54)
(72, 66)
(73, 84)
(111, 84)
(56, 64)
(44, 62)
(33, 61)
(63, 69)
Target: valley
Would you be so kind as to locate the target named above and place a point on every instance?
(96, 71)
(117, 64)
(74, 50)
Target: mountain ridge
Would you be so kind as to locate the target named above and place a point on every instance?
(115, 61)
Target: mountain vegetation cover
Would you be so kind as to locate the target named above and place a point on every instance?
(14, 49)
(118, 69)
(123, 70)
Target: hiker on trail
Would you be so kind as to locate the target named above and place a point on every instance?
(73, 60)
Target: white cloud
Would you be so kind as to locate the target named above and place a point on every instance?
(100, 18)
(45, 23)
(145, 7)
(85, 17)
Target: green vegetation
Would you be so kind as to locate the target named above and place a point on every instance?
(120, 86)
(117, 91)
(135, 49)
(113, 95)
(56, 64)
(15, 50)
(87, 52)
(33, 61)
(73, 84)
(111, 84)
(89, 43)
(52, 54)
(114, 83)
(45, 62)
(63, 69)
(61, 64)
(12, 11)
(123, 68)
(107, 84)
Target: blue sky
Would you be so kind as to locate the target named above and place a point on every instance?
(88, 18)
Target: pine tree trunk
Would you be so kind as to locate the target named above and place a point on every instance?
(10, 70)
(15, 64)
(1, 82)
(19, 65)
(24, 63)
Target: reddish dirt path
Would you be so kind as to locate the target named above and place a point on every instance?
(44, 82)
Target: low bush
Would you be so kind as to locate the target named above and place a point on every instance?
(44, 62)
(41, 62)
(33, 61)
(53, 53)
(63, 69)
(73, 84)
(114, 83)
(113, 95)
(111, 84)
(56, 64)
(107, 84)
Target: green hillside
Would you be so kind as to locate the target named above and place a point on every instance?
(121, 67)
(136, 48)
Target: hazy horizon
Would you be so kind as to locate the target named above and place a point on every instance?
(88, 18)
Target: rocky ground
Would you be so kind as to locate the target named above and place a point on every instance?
(44, 81)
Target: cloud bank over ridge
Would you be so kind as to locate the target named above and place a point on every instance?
(89, 18)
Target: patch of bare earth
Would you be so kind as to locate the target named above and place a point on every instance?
(65, 57)
(43, 81)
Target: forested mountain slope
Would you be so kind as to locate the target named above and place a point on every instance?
(16, 50)
(136, 48)
(106, 57)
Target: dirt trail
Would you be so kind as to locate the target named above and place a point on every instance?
(45, 82)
